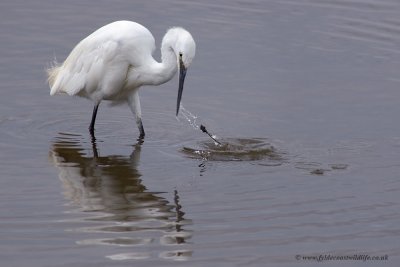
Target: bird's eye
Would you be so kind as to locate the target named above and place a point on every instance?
(180, 54)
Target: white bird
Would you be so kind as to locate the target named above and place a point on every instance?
(113, 62)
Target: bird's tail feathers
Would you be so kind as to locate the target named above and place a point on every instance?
(52, 73)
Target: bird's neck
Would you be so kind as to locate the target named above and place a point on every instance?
(161, 72)
(165, 70)
(169, 61)
(156, 73)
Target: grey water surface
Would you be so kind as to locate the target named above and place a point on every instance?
(303, 94)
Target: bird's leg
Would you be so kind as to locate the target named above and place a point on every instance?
(94, 114)
(94, 147)
(141, 129)
(134, 104)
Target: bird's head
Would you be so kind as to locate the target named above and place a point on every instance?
(185, 50)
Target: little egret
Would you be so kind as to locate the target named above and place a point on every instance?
(115, 60)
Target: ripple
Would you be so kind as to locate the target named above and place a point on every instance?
(367, 30)
(317, 168)
(234, 149)
(120, 241)
(177, 255)
(130, 256)
(109, 203)
(355, 5)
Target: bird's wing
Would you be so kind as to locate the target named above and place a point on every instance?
(84, 68)
(100, 62)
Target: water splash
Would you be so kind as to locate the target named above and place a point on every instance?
(236, 149)
(213, 137)
(190, 117)
(193, 121)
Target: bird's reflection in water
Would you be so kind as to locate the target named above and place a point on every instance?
(116, 208)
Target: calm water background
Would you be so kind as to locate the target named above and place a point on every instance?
(318, 79)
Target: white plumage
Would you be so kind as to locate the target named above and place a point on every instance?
(115, 60)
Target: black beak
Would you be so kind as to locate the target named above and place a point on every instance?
(182, 74)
